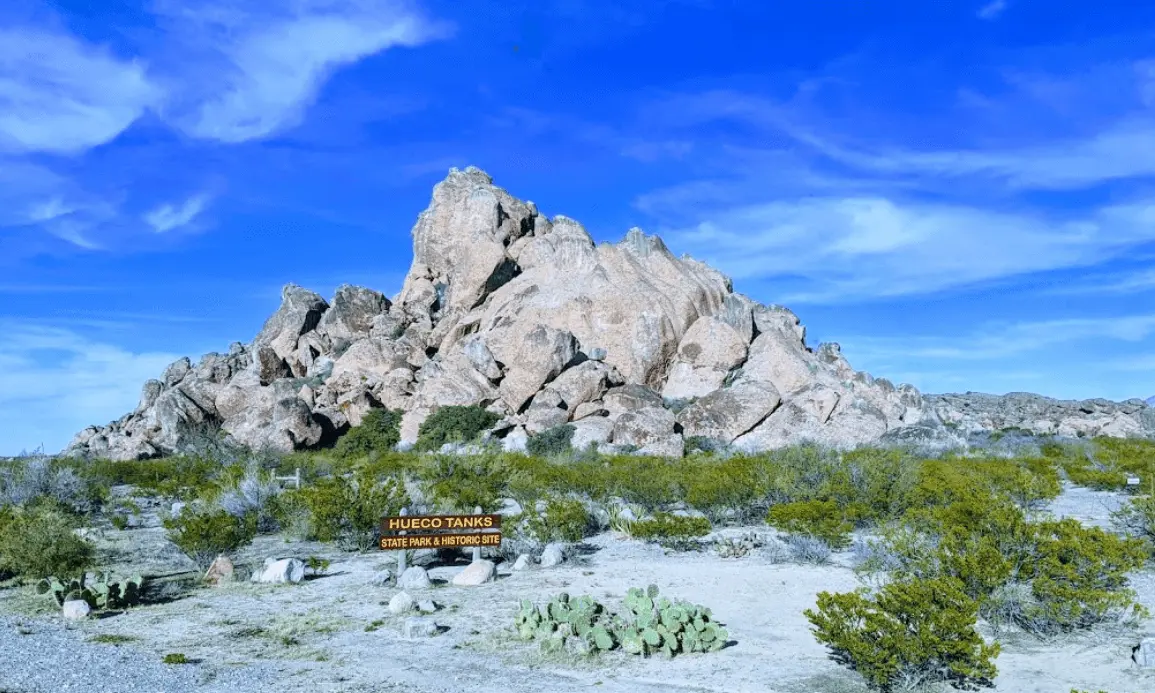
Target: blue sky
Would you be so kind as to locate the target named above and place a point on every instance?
(960, 193)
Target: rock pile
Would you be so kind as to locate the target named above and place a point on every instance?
(972, 412)
(528, 317)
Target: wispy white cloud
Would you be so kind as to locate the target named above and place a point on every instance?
(57, 382)
(993, 9)
(261, 65)
(1000, 341)
(168, 216)
(1118, 283)
(60, 95)
(855, 248)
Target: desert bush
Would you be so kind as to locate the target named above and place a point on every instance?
(28, 479)
(808, 549)
(181, 477)
(649, 482)
(725, 489)
(880, 482)
(453, 424)
(704, 445)
(460, 483)
(347, 510)
(255, 493)
(380, 431)
(203, 533)
(913, 632)
(39, 542)
(1077, 575)
(1080, 576)
(663, 526)
(562, 519)
(1136, 518)
(825, 520)
(551, 442)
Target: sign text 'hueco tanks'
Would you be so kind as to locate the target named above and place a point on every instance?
(439, 531)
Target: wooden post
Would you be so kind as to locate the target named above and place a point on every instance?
(401, 553)
(297, 477)
(476, 549)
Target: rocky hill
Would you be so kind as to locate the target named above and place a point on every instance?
(530, 318)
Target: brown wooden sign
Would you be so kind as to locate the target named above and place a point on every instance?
(439, 531)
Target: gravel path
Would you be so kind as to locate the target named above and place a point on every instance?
(40, 656)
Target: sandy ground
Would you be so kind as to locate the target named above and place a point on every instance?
(316, 631)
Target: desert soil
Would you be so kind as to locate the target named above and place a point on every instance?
(312, 636)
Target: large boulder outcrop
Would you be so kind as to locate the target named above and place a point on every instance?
(528, 317)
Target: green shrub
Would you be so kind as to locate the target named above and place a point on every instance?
(661, 526)
(1079, 576)
(347, 510)
(563, 519)
(1076, 576)
(39, 542)
(551, 442)
(724, 489)
(1137, 519)
(704, 445)
(459, 483)
(453, 424)
(176, 658)
(203, 533)
(380, 431)
(825, 520)
(182, 477)
(913, 632)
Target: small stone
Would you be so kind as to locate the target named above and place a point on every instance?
(401, 603)
(283, 570)
(426, 606)
(522, 562)
(76, 609)
(417, 627)
(221, 571)
(552, 555)
(476, 573)
(597, 354)
(381, 578)
(414, 578)
(176, 509)
(1144, 653)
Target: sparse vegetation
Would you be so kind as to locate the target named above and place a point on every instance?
(913, 632)
(38, 542)
(347, 509)
(551, 442)
(202, 533)
(453, 424)
(380, 431)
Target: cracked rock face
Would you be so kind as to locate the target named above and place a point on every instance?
(529, 318)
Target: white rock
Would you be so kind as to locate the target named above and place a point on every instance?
(401, 603)
(176, 509)
(278, 571)
(381, 578)
(417, 627)
(76, 609)
(552, 555)
(426, 606)
(522, 562)
(414, 578)
(476, 573)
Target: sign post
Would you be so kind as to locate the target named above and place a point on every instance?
(401, 555)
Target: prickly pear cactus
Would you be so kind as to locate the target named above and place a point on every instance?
(101, 591)
(647, 624)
